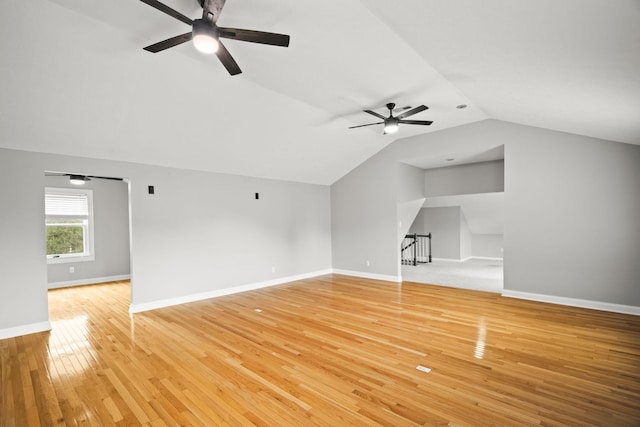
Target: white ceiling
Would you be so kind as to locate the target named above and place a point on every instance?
(75, 80)
(455, 158)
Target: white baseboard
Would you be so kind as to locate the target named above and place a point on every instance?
(366, 275)
(31, 328)
(574, 302)
(468, 259)
(92, 281)
(153, 305)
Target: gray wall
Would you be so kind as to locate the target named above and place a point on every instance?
(484, 177)
(471, 244)
(418, 226)
(23, 267)
(111, 233)
(444, 226)
(410, 197)
(453, 182)
(465, 237)
(382, 210)
(564, 196)
(364, 219)
(208, 232)
(572, 217)
(200, 232)
(487, 245)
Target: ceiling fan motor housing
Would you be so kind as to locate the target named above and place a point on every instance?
(204, 27)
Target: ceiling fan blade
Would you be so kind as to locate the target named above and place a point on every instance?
(105, 177)
(87, 177)
(412, 111)
(272, 39)
(380, 116)
(416, 122)
(227, 60)
(370, 124)
(166, 44)
(166, 9)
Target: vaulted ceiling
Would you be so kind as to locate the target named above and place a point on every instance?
(75, 80)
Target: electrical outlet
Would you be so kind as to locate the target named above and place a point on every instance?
(368, 263)
(273, 269)
(72, 269)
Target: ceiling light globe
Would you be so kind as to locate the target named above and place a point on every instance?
(391, 128)
(77, 179)
(205, 44)
(205, 37)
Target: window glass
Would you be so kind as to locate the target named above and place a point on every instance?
(69, 224)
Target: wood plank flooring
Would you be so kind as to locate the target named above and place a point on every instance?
(330, 351)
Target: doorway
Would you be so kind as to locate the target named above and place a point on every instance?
(87, 229)
(463, 212)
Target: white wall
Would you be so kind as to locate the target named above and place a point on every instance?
(483, 177)
(572, 205)
(111, 234)
(200, 232)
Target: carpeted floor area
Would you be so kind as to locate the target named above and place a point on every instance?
(478, 274)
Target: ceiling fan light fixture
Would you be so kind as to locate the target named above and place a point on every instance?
(77, 179)
(390, 126)
(205, 37)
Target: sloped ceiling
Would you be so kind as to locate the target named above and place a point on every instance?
(75, 79)
(483, 211)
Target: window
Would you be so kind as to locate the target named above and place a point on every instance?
(69, 224)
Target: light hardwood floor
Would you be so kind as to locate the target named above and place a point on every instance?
(331, 351)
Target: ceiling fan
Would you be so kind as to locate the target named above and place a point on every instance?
(206, 34)
(391, 123)
(78, 179)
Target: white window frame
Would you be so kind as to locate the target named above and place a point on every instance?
(88, 253)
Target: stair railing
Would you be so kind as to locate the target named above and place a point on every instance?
(415, 249)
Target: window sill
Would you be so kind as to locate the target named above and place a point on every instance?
(67, 259)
